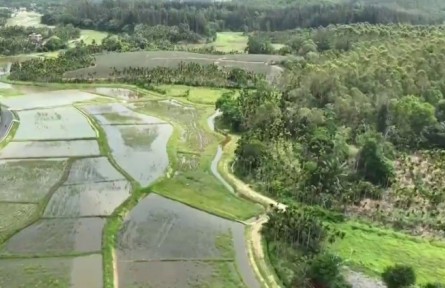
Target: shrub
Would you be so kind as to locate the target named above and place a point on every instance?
(399, 276)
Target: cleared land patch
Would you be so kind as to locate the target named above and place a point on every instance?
(54, 149)
(49, 124)
(14, 216)
(90, 170)
(92, 199)
(78, 272)
(159, 229)
(57, 237)
(150, 59)
(29, 180)
(200, 95)
(47, 99)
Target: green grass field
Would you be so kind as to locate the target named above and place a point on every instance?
(89, 35)
(197, 95)
(372, 249)
(26, 19)
(230, 41)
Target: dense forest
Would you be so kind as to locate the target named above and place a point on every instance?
(15, 39)
(357, 134)
(207, 18)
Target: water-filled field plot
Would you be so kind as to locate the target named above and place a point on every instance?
(91, 170)
(90, 199)
(50, 124)
(141, 150)
(114, 113)
(14, 217)
(119, 93)
(53, 149)
(159, 228)
(77, 272)
(47, 99)
(184, 274)
(29, 180)
(57, 237)
(168, 238)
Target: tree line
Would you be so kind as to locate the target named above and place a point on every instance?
(205, 18)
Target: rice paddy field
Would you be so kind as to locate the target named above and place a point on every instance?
(73, 164)
(150, 59)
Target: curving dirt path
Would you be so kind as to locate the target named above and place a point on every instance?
(255, 248)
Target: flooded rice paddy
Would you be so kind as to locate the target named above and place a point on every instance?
(57, 205)
(60, 272)
(18, 176)
(152, 231)
(50, 149)
(57, 237)
(91, 199)
(47, 99)
(51, 124)
(90, 170)
(115, 114)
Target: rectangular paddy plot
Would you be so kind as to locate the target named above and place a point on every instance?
(91, 170)
(92, 199)
(119, 93)
(29, 180)
(49, 237)
(184, 274)
(50, 124)
(162, 229)
(14, 217)
(163, 235)
(141, 150)
(112, 114)
(77, 272)
(47, 99)
(52, 149)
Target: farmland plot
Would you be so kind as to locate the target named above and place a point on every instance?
(14, 217)
(90, 170)
(140, 149)
(50, 124)
(29, 180)
(119, 93)
(91, 199)
(159, 230)
(77, 272)
(184, 274)
(115, 113)
(53, 149)
(57, 237)
(47, 99)
(151, 59)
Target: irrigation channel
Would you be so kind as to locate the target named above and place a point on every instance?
(60, 183)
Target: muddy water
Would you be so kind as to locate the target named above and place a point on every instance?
(140, 150)
(159, 229)
(57, 237)
(50, 149)
(218, 156)
(91, 199)
(86, 272)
